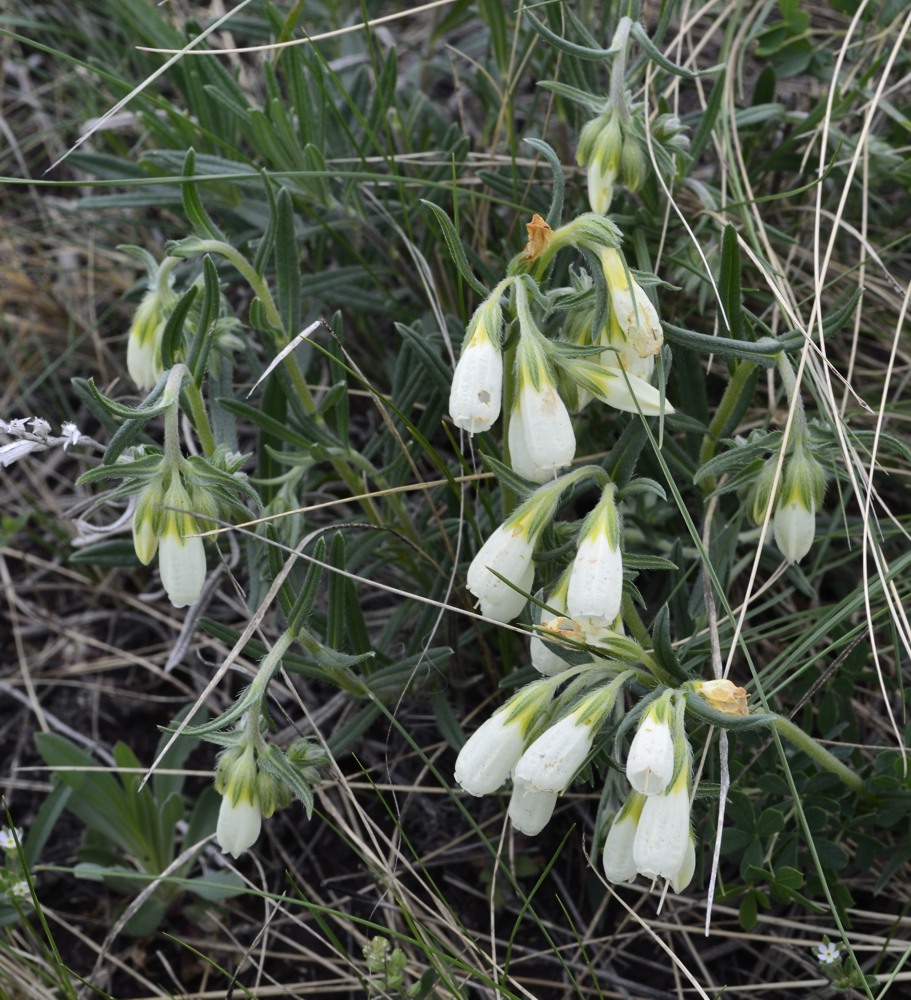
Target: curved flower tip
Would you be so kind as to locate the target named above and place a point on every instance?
(530, 808)
(239, 825)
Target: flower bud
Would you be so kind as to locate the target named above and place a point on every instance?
(145, 537)
(794, 524)
(723, 696)
(144, 342)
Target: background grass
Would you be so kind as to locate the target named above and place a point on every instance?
(800, 144)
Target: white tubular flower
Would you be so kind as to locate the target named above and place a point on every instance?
(240, 817)
(633, 316)
(477, 383)
(541, 436)
(650, 762)
(663, 834)
(509, 551)
(181, 553)
(239, 825)
(794, 527)
(490, 753)
(530, 808)
(552, 761)
(596, 579)
(617, 856)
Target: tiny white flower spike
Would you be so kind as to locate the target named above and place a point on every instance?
(181, 553)
(633, 317)
(650, 761)
(541, 437)
(794, 527)
(239, 824)
(530, 808)
(477, 383)
(596, 579)
(555, 757)
(617, 856)
(663, 833)
(490, 753)
(509, 551)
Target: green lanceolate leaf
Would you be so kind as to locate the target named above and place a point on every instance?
(454, 245)
(199, 219)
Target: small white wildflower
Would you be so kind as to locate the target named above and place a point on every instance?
(70, 433)
(19, 890)
(828, 953)
(9, 838)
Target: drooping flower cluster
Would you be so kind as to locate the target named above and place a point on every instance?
(550, 374)
(651, 834)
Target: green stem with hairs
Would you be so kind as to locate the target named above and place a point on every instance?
(795, 735)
